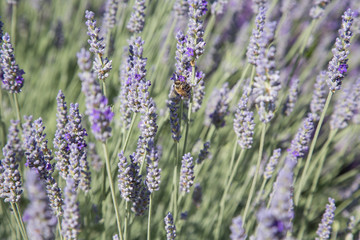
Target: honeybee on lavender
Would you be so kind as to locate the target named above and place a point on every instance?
(181, 88)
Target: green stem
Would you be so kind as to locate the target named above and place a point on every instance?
(175, 181)
(149, 219)
(13, 24)
(17, 108)
(260, 192)
(129, 132)
(231, 161)
(104, 87)
(209, 27)
(19, 220)
(112, 189)
(253, 184)
(59, 228)
(312, 147)
(126, 220)
(251, 79)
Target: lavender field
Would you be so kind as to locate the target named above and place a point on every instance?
(180, 119)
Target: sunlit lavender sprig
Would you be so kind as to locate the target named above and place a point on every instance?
(338, 66)
(346, 107)
(186, 173)
(71, 220)
(109, 19)
(129, 178)
(12, 75)
(324, 229)
(270, 167)
(237, 229)
(38, 156)
(203, 153)
(274, 222)
(218, 108)
(244, 124)
(292, 97)
(101, 66)
(39, 219)
(217, 7)
(318, 99)
(198, 91)
(10, 178)
(170, 227)
(197, 195)
(253, 49)
(137, 19)
(100, 114)
(153, 170)
(195, 33)
(317, 10)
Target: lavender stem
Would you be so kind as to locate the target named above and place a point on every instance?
(59, 227)
(19, 220)
(149, 217)
(17, 108)
(129, 132)
(13, 24)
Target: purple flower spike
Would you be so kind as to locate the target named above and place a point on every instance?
(12, 79)
(186, 173)
(153, 170)
(170, 227)
(137, 19)
(237, 229)
(244, 123)
(324, 229)
(218, 108)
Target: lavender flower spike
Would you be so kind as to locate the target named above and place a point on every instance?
(324, 229)
(137, 19)
(109, 19)
(270, 167)
(71, 221)
(12, 79)
(186, 173)
(10, 178)
(291, 99)
(318, 100)
(141, 202)
(170, 227)
(218, 108)
(39, 219)
(317, 10)
(338, 66)
(218, 6)
(203, 153)
(299, 145)
(153, 170)
(237, 229)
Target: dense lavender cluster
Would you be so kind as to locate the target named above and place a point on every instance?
(244, 124)
(327, 219)
(153, 170)
(270, 167)
(186, 173)
(174, 106)
(170, 227)
(182, 65)
(137, 19)
(203, 153)
(318, 99)
(12, 75)
(141, 202)
(338, 66)
(10, 178)
(218, 108)
(39, 219)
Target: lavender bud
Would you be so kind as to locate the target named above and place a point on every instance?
(186, 173)
(203, 153)
(115, 237)
(237, 229)
(153, 170)
(317, 10)
(337, 68)
(318, 99)
(291, 99)
(218, 108)
(182, 64)
(174, 105)
(324, 229)
(125, 112)
(270, 167)
(197, 195)
(83, 60)
(109, 20)
(71, 220)
(97, 44)
(12, 79)
(299, 145)
(128, 178)
(181, 8)
(41, 222)
(198, 91)
(10, 178)
(253, 49)
(141, 202)
(148, 126)
(170, 227)
(85, 174)
(244, 124)
(137, 19)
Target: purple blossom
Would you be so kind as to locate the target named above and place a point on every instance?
(218, 6)
(203, 153)
(141, 201)
(181, 7)
(292, 97)
(71, 220)
(153, 170)
(10, 178)
(170, 227)
(318, 99)
(39, 219)
(299, 145)
(12, 79)
(198, 91)
(270, 167)
(197, 195)
(237, 229)
(83, 60)
(109, 19)
(327, 219)
(148, 126)
(338, 65)
(137, 19)
(218, 108)
(317, 10)
(174, 105)
(186, 173)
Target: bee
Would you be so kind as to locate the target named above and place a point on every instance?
(182, 88)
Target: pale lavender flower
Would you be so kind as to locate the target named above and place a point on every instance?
(300, 143)
(10, 178)
(338, 66)
(170, 227)
(182, 64)
(258, 4)
(317, 10)
(237, 229)
(124, 74)
(204, 153)
(59, 38)
(217, 7)
(318, 99)
(38, 216)
(346, 107)
(85, 174)
(109, 19)
(137, 19)
(244, 123)
(198, 91)
(218, 108)
(153, 170)
(71, 220)
(148, 126)
(174, 105)
(197, 195)
(115, 237)
(195, 43)
(181, 8)
(129, 178)
(292, 97)
(83, 60)
(270, 167)
(12, 79)
(324, 229)
(186, 173)
(141, 202)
